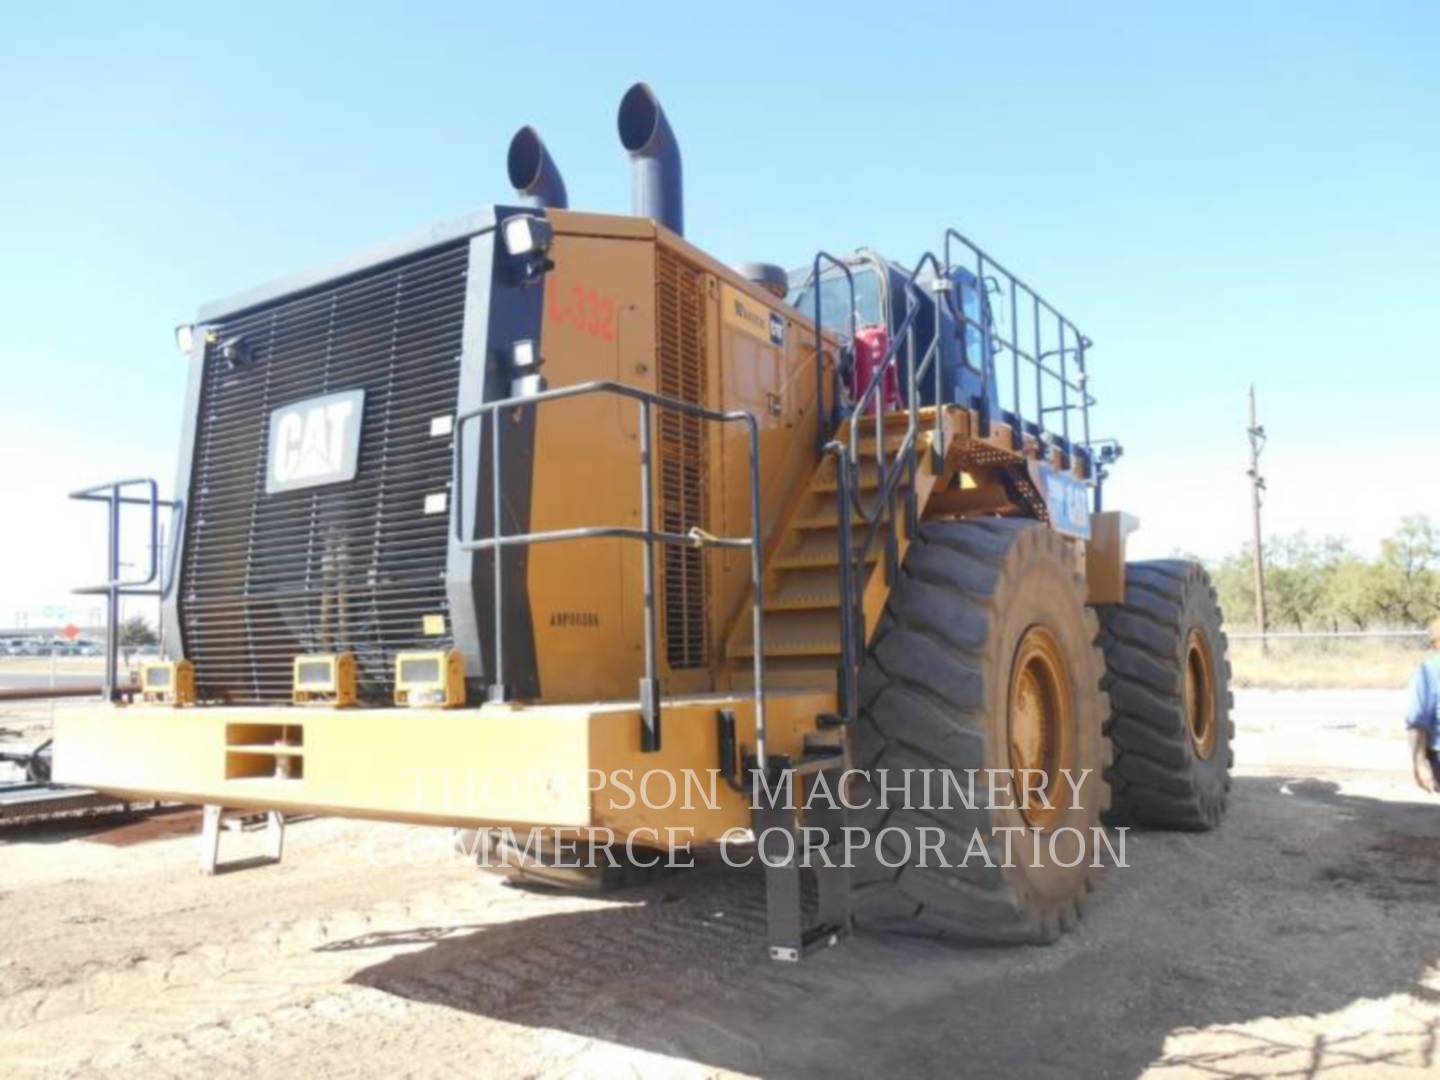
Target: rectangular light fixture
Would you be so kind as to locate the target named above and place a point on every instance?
(522, 354)
(526, 234)
(168, 682)
(430, 678)
(324, 679)
(527, 386)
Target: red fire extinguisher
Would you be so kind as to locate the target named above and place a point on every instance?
(871, 344)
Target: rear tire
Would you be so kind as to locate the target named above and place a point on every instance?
(976, 604)
(1169, 682)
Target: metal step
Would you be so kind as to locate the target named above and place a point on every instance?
(790, 673)
(820, 547)
(894, 421)
(893, 441)
(795, 633)
(825, 479)
(805, 587)
(821, 509)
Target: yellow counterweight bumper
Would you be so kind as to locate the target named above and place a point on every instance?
(573, 766)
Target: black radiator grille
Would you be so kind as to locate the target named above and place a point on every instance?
(353, 566)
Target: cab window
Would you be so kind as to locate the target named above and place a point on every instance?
(835, 298)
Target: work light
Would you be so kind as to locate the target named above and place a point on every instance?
(327, 679)
(168, 683)
(522, 354)
(526, 234)
(432, 677)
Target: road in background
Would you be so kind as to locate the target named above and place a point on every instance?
(38, 672)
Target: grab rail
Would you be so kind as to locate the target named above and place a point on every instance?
(825, 425)
(847, 464)
(647, 535)
(114, 587)
(1067, 341)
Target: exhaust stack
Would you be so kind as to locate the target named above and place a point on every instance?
(533, 173)
(656, 190)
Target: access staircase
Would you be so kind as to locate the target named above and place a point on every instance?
(803, 579)
(827, 579)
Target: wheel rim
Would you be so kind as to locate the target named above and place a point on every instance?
(1039, 723)
(1199, 694)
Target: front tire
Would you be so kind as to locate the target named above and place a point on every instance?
(984, 660)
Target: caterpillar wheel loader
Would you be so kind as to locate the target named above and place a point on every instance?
(535, 520)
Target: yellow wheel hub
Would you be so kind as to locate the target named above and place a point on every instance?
(1041, 727)
(1199, 694)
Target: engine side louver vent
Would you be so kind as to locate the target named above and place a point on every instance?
(684, 499)
(354, 566)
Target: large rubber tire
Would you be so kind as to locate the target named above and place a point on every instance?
(935, 692)
(1164, 774)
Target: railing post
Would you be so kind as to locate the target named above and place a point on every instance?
(650, 681)
(1039, 371)
(1017, 433)
(757, 585)
(112, 601)
(1064, 389)
(932, 355)
(847, 681)
(497, 691)
(826, 423)
(939, 363)
(822, 420)
(982, 306)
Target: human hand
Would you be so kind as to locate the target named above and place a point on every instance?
(1425, 777)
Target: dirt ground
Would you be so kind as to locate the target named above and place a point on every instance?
(1299, 940)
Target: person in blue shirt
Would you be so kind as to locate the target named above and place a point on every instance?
(1422, 717)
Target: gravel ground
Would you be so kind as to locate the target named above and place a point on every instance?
(1298, 940)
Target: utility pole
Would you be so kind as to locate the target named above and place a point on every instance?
(1257, 485)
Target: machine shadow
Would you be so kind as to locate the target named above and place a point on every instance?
(1297, 907)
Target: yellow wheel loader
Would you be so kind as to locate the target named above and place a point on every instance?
(547, 525)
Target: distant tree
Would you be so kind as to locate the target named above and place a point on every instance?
(1408, 575)
(136, 632)
(1234, 579)
(1294, 583)
(1324, 584)
(1348, 601)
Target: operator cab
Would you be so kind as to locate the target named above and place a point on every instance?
(966, 357)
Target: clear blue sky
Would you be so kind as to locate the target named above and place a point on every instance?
(1217, 194)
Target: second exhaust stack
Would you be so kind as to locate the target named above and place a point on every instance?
(656, 189)
(532, 172)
